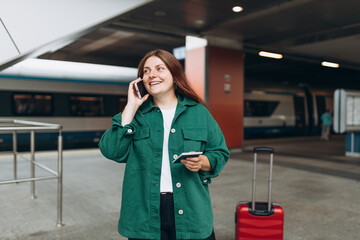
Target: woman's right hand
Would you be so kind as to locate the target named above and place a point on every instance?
(133, 99)
(133, 103)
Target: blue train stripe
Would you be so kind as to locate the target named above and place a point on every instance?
(46, 140)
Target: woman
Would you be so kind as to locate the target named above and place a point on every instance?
(161, 199)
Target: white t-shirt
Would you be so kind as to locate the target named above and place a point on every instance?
(166, 180)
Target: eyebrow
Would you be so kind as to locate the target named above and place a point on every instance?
(156, 65)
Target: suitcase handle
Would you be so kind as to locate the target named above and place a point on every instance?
(271, 151)
(263, 149)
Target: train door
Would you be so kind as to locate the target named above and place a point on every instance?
(300, 120)
(310, 111)
(321, 108)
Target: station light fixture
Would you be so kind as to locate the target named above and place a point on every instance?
(330, 64)
(237, 9)
(270, 55)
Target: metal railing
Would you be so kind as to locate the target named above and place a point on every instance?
(16, 126)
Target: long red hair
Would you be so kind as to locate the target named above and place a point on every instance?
(177, 72)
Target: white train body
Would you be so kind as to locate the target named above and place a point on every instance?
(85, 108)
(284, 111)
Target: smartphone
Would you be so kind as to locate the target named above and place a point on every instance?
(187, 155)
(140, 89)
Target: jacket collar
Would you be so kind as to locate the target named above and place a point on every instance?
(183, 102)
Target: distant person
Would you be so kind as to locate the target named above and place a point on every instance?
(161, 199)
(326, 120)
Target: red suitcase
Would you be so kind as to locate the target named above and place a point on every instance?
(266, 220)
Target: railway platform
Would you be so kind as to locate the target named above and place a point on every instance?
(314, 182)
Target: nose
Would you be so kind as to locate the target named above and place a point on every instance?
(153, 74)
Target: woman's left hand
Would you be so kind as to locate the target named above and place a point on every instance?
(195, 164)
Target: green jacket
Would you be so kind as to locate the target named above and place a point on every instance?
(139, 145)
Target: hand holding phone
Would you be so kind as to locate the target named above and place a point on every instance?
(140, 89)
(187, 155)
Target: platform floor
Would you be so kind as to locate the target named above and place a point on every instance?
(317, 186)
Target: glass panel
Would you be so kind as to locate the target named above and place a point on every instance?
(259, 108)
(122, 103)
(32, 104)
(86, 106)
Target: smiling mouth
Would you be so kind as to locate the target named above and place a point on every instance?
(154, 83)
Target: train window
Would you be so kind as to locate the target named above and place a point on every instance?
(86, 106)
(254, 108)
(28, 104)
(122, 103)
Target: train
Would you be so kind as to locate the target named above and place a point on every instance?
(283, 109)
(85, 109)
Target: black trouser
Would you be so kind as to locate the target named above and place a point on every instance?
(167, 218)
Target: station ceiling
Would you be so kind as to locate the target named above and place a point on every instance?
(306, 32)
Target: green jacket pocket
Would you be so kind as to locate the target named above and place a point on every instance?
(195, 139)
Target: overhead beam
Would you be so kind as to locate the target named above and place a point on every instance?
(54, 42)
